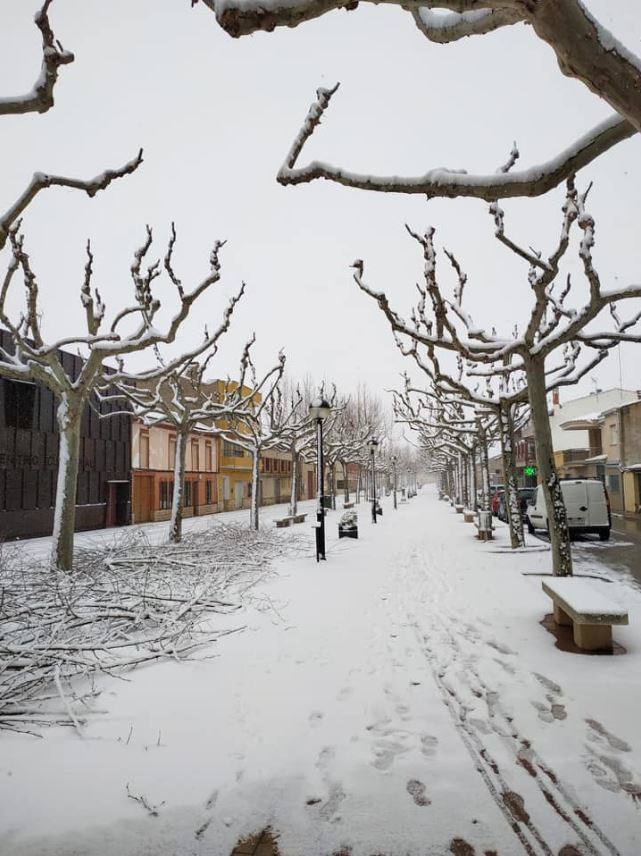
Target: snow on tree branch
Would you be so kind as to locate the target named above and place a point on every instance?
(445, 27)
(40, 98)
(34, 359)
(444, 182)
(41, 181)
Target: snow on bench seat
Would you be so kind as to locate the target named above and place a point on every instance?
(590, 612)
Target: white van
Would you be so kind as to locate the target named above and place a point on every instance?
(586, 503)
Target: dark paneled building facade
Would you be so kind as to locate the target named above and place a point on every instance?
(29, 459)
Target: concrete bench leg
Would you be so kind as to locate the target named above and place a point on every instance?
(563, 618)
(593, 637)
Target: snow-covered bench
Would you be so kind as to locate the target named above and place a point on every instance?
(590, 612)
(290, 520)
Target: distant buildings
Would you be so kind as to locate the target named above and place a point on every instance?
(126, 472)
(594, 436)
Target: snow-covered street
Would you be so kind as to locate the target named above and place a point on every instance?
(400, 698)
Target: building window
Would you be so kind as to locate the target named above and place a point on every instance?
(195, 455)
(614, 434)
(172, 451)
(144, 450)
(209, 456)
(614, 483)
(209, 493)
(166, 494)
(232, 450)
(188, 494)
(19, 404)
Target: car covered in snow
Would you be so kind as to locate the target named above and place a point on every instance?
(587, 506)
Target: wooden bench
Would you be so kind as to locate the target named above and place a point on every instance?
(290, 520)
(590, 613)
(468, 516)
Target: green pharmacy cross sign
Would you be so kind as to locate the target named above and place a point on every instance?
(529, 471)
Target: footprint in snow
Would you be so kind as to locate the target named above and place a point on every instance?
(609, 773)
(428, 744)
(498, 646)
(549, 714)
(385, 753)
(599, 733)
(549, 685)
(416, 789)
(211, 800)
(326, 755)
(328, 810)
(315, 718)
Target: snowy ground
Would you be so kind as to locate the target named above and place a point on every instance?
(401, 698)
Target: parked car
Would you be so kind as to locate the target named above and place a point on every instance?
(587, 505)
(525, 495)
(496, 499)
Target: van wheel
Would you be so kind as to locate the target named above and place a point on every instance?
(604, 534)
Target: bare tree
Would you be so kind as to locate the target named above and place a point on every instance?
(553, 326)
(585, 50)
(178, 395)
(300, 435)
(264, 426)
(35, 360)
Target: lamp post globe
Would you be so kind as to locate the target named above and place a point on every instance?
(319, 410)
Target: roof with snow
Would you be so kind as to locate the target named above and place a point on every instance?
(570, 420)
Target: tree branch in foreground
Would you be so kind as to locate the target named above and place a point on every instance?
(42, 180)
(40, 98)
(442, 182)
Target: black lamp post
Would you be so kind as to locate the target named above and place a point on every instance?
(372, 445)
(320, 409)
(394, 477)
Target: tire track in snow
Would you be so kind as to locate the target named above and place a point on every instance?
(556, 803)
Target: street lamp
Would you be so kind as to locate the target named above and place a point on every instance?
(372, 445)
(320, 409)
(394, 477)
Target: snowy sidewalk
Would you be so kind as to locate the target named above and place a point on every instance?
(401, 698)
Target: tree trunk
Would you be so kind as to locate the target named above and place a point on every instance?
(485, 472)
(68, 416)
(332, 484)
(253, 513)
(465, 473)
(512, 505)
(346, 484)
(473, 490)
(548, 478)
(176, 523)
(293, 496)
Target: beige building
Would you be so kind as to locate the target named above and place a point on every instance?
(153, 452)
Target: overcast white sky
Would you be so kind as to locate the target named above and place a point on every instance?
(216, 117)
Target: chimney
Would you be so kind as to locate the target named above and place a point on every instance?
(555, 397)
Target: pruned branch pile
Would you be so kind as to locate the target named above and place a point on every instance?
(126, 603)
